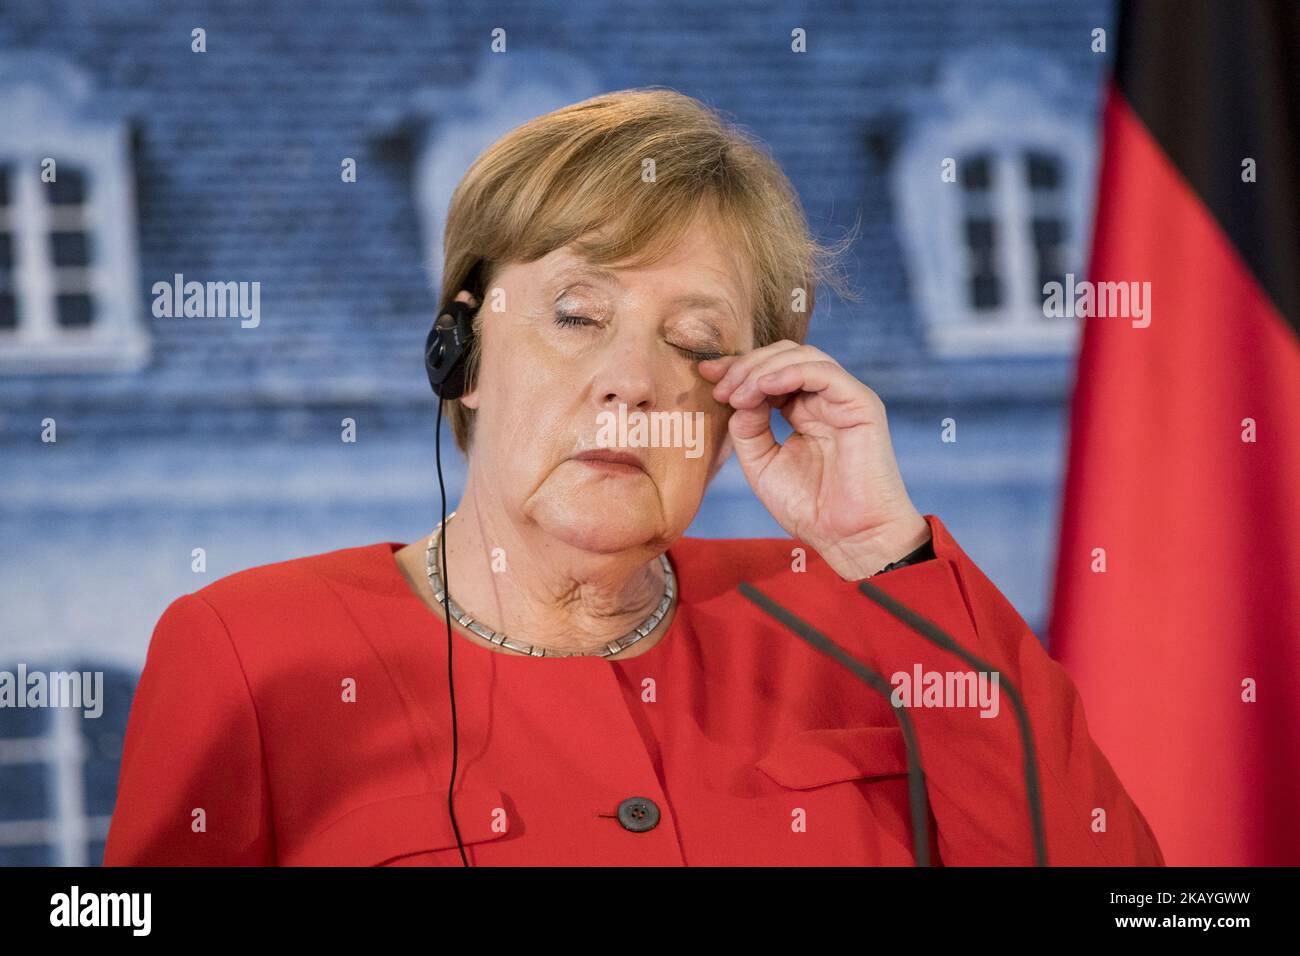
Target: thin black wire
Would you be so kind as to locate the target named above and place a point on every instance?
(446, 595)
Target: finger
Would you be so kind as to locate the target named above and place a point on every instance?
(746, 388)
(713, 369)
(751, 436)
(756, 399)
(740, 368)
(821, 375)
(847, 401)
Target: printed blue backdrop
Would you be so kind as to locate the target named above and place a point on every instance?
(177, 434)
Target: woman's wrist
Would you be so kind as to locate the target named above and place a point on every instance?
(923, 552)
(885, 547)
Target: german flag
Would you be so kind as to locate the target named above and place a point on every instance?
(1177, 599)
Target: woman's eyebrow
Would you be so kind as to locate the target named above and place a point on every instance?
(586, 271)
(697, 300)
(715, 303)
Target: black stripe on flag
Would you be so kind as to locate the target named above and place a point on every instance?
(1218, 82)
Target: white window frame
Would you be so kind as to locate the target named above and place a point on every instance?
(66, 826)
(1003, 104)
(53, 118)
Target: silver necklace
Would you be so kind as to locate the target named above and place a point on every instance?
(501, 640)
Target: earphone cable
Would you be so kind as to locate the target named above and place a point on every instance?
(446, 590)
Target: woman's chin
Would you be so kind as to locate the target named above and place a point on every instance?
(602, 520)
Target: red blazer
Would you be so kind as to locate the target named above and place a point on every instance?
(245, 746)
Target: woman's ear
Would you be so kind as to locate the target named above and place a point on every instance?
(470, 398)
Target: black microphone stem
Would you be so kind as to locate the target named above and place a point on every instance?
(938, 637)
(915, 773)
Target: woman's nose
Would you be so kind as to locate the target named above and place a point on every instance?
(627, 376)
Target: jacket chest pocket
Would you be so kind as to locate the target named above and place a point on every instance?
(815, 758)
(412, 830)
(844, 800)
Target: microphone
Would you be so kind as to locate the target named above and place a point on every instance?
(938, 637)
(915, 773)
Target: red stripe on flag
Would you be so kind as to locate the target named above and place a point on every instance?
(1201, 530)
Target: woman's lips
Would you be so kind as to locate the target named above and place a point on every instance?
(614, 462)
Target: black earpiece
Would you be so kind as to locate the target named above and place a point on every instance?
(447, 349)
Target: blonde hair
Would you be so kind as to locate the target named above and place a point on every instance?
(580, 169)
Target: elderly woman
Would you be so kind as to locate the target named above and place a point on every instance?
(592, 687)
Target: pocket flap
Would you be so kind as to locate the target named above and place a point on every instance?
(396, 826)
(814, 758)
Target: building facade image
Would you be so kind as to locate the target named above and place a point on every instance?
(304, 158)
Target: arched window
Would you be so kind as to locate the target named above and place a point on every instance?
(462, 121)
(1015, 215)
(69, 294)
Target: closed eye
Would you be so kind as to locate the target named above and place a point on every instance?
(695, 356)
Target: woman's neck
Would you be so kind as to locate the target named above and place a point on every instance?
(516, 579)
